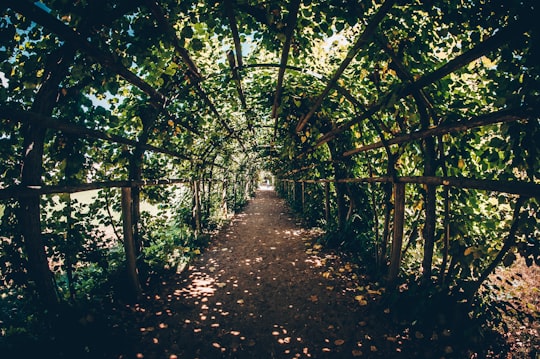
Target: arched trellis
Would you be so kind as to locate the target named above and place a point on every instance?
(159, 100)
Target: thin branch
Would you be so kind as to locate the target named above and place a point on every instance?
(81, 131)
(500, 38)
(528, 189)
(193, 73)
(169, 30)
(502, 116)
(289, 31)
(25, 191)
(234, 29)
(45, 19)
(360, 42)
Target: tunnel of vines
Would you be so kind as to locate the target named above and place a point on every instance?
(131, 130)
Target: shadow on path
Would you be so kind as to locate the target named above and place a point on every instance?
(257, 293)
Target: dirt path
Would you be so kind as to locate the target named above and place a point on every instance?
(257, 293)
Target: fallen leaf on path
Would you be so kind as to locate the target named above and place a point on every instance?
(339, 342)
(240, 301)
(313, 298)
(357, 353)
(361, 300)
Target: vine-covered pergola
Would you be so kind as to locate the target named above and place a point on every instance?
(415, 122)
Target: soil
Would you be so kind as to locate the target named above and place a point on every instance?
(262, 289)
(257, 293)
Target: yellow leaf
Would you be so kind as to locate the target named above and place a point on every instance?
(487, 62)
(468, 251)
(361, 300)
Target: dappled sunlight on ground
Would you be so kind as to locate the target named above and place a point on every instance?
(263, 290)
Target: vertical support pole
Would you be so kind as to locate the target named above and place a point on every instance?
(129, 243)
(289, 190)
(303, 196)
(197, 209)
(397, 242)
(294, 193)
(234, 197)
(224, 208)
(327, 201)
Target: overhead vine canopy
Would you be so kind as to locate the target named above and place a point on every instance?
(437, 93)
(358, 64)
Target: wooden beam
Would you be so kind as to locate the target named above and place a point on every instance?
(524, 188)
(234, 29)
(502, 116)
(78, 130)
(351, 54)
(289, 31)
(26, 191)
(165, 26)
(193, 73)
(47, 20)
(129, 245)
(500, 38)
(397, 240)
(236, 77)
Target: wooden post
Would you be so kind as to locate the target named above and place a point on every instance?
(197, 209)
(224, 208)
(303, 196)
(294, 193)
(129, 243)
(327, 202)
(399, 216)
